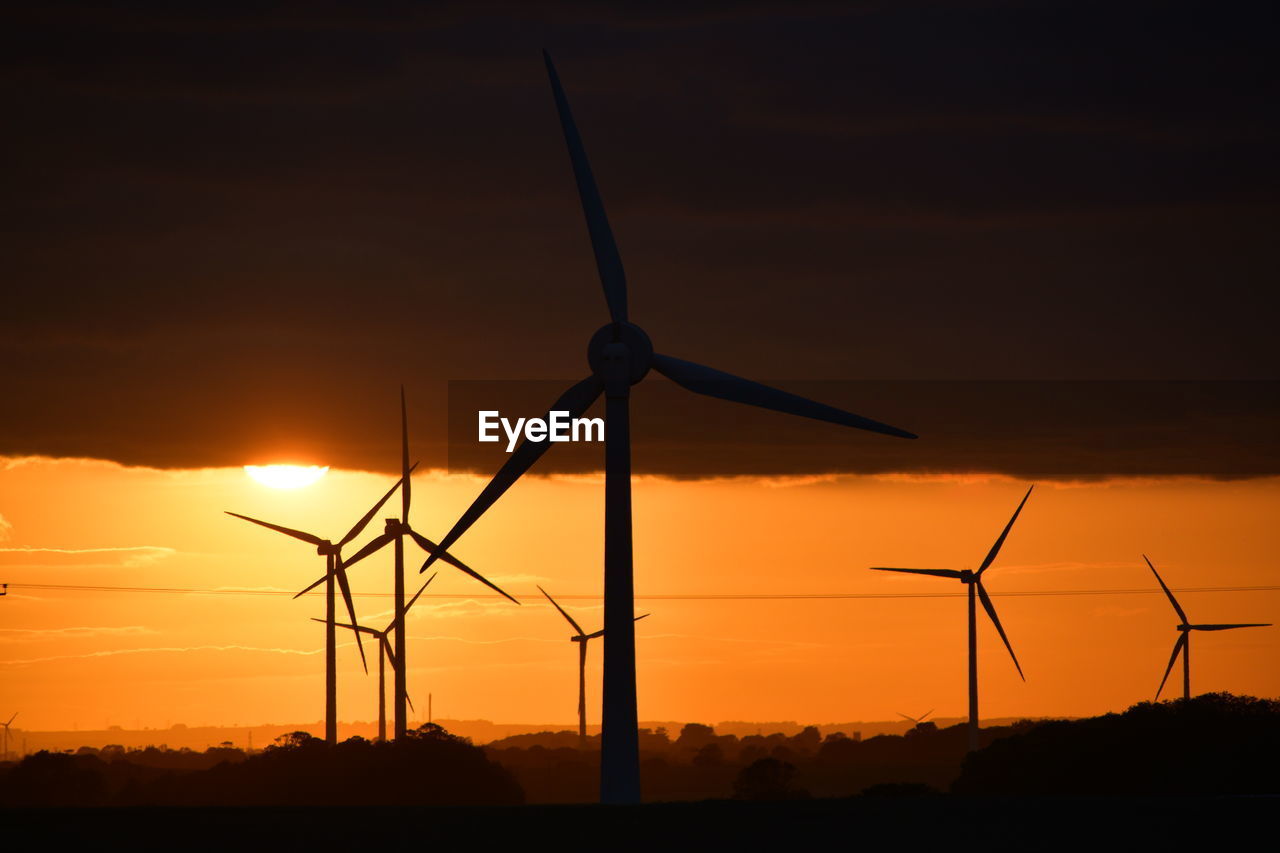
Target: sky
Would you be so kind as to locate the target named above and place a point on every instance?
(1041, 237)
(93, 659)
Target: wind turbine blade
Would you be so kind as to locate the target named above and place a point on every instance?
(608, 262)
(396, 620)
(470, 571)
(726, 386)
(1167, 592)
(436, 552)
(575, 401)
(345, 586)
(313, 585)
(921, 718)
(368, 516)
(369, 548)
(287, 531)
(407, 487)
(360, 628)
(389, 652)
(904, 716)
(11, 719)
(995, 549)
(991, 611)
(554, 604)
(1229, 627)
(1177, 647)
(410, 701)
(374, 544)
(600, 633)
(937, 573)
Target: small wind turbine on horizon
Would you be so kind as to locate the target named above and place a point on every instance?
(386, 653)
(974, 581)
(620, 355)
(917, 720)
(334, 570)
(581, 638)
(394, 532)
(1183, 644)
(6, 734)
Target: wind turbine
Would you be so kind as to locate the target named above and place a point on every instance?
(1183, 644)
(6, 734)
(581, 638)
(917, 720)
(385, 653)
(974, 581)
(620, 355)
(334, 569)
(394, 532)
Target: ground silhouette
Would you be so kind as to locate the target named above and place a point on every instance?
(1216, 744)
(430, 767)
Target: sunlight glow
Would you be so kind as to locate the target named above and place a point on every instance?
(286, 476)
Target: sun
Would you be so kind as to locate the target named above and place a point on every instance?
(286, 476)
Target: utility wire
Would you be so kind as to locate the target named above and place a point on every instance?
(801, 596)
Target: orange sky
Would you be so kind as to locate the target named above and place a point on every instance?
(96, 658)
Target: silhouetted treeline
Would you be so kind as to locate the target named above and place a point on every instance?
(1211, 744)
(431, 767)
(701, 764)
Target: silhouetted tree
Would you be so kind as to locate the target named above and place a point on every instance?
(694, 736)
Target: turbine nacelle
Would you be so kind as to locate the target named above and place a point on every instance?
(327, 548)
(620, 343)
(968, 576)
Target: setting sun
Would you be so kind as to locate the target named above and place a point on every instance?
(286, 476)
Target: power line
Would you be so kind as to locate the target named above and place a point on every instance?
(800, 596)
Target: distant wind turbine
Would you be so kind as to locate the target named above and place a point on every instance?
(334, 569)
(395, 531)
(1183, 644)
(974, 582)
(386, 653)
(620, 355)
(6, 734)
(917, 720)
(581, 638)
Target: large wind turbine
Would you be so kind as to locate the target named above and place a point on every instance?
(581, 638)
(334, 569)
(974, 581)
(6, 734)
(395, 531)
(620, 355)
(1183, 644)
(386, 653)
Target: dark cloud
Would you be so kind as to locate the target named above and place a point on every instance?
(234, 231)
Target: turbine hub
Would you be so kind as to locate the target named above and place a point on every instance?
(326, 548)
(967, 576)
(620, 342)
